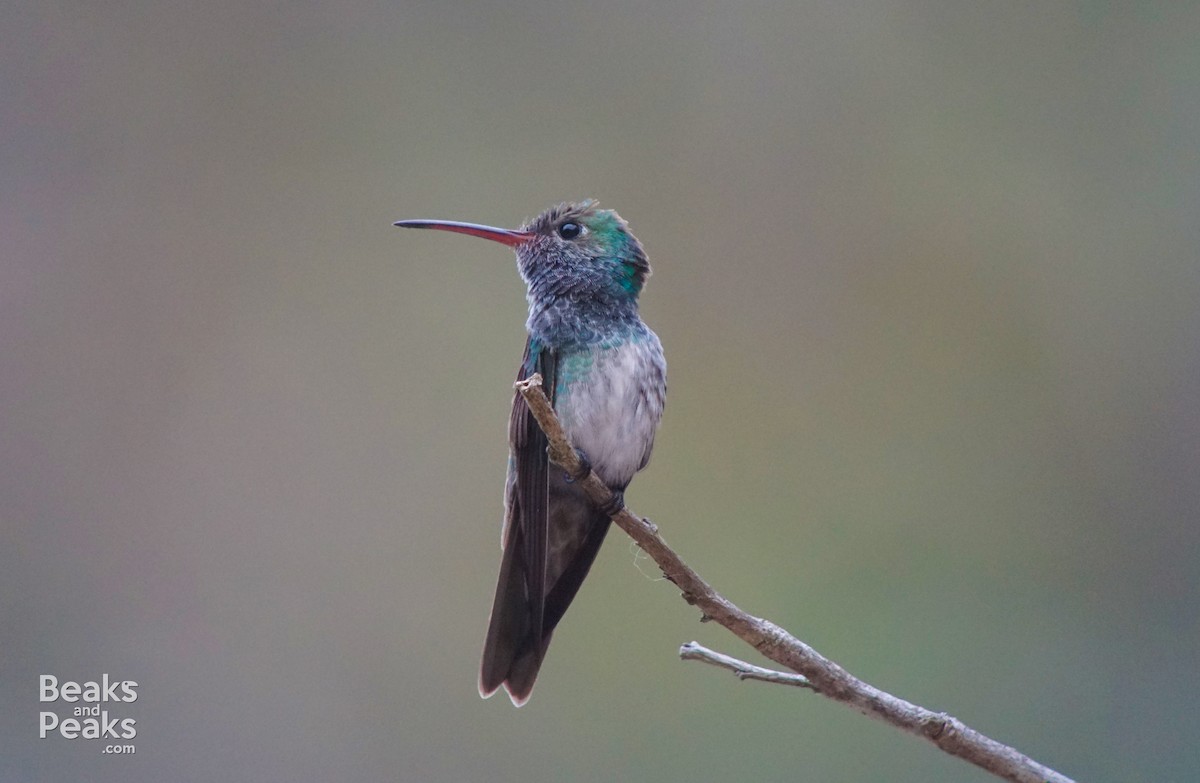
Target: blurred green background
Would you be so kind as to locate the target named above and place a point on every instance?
(927, 274)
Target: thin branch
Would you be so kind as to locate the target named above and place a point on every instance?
(694, 651)
(824, 676)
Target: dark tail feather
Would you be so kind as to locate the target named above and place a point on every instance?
(508, 627)
(509, 656)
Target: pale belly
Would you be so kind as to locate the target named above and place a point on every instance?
(610, 401)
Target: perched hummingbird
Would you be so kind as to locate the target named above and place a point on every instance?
(604, 372)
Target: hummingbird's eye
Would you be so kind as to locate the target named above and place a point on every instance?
(570, 230)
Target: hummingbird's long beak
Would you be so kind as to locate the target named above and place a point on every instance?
(505, 236)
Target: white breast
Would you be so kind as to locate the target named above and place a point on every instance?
(610, 401)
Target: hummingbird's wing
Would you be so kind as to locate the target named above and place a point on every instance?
(515, 632)
(532, 466)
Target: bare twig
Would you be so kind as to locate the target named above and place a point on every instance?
(694, 651)
(824, 676)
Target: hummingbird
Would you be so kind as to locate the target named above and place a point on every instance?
(604, 372)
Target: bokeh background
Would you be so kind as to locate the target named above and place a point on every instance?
(927, 275)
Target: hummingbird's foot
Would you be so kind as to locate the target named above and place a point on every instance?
(615, 503)
(585, 467)
(653, 527)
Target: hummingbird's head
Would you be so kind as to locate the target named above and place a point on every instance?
(581, 251)
(574, 252)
